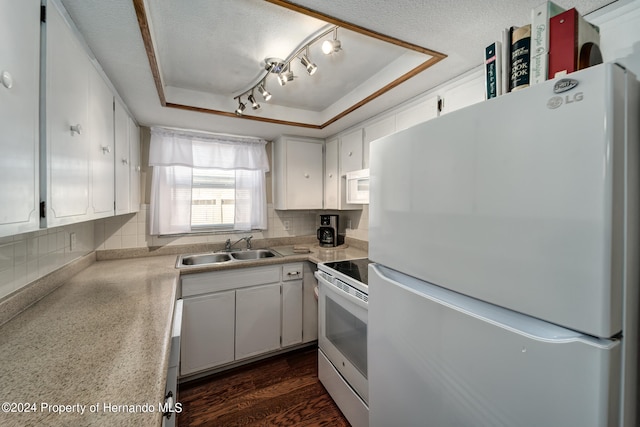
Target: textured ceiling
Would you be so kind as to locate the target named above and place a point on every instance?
(203, 57)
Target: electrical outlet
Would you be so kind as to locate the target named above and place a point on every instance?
(285, 225)
(72, 243)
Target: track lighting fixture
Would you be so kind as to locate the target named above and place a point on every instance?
(241, 107)
(282, 68)
(254, 103)
(331, 46)
(265, 93)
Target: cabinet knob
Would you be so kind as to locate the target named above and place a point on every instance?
(7, 79)
(138, 168)
(330, 175)
(350, 153)
(306, 175)
(76, 129)
(106, 149)
(125, 161)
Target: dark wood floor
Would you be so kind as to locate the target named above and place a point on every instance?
(281, 391)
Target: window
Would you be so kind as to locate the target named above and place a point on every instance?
(202, 182)
(213, 198)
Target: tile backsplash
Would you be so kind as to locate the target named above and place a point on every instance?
(30, 256)
(132, 231)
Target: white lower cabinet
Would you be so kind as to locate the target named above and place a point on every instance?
(257, 320)
(233, 315)
(292, 302)
(208, 331)
(309, 303)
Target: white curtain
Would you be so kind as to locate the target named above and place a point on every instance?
(174, 153)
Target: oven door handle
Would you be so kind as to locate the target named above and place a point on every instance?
(334, 290)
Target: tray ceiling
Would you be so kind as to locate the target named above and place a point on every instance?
(207, 56)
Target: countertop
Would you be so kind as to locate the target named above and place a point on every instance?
(100, 339)
(97, 347)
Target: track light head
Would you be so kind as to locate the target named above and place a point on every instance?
(241, 107)
(310, 66)
(330, 46)
(254, 103)
(264, 92)
(285, 77)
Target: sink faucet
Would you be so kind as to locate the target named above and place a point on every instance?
(228, 245)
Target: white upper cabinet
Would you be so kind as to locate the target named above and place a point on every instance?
(331, 174)
(19, 104)
(418, 113)
(375, 130)
(127, 162)
(135, 166)
(351, 151)
(123, 160)
(335, 184)
(101, 146)
(297, 173)
(467, 92)
(68, 147)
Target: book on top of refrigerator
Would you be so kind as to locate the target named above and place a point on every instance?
(540, 17)
(493, 70)
(574, 43)
(520, 57)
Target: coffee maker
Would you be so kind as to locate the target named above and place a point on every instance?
(328, 231)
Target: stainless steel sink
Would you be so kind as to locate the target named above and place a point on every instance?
(185, 261)
(201, 259)
(252, 254)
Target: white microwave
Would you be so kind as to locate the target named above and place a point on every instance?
(358, 187)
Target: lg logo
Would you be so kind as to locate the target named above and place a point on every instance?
(557, 101)
(561, 86)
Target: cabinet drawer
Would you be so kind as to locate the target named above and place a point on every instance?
(292, 272)
(201, 283)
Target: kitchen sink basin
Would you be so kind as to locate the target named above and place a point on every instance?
(194, 260)
(252, 254)
(201, 259)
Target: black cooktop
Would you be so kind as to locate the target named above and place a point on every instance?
(354, 268)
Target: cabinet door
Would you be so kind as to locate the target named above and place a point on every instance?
(257, 320)
(19, 103)
(304, 175)
(123, 173)
(421, 112)
(376, 130)
(134, 150)
(331, 174)
(101, 146)
(463, 95)
(68, 149)
(309, 304)
(351, 152)
(291, 312)
(208, 323)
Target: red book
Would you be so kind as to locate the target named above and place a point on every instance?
(573, 43)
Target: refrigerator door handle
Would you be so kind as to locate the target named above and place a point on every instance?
(513, 321)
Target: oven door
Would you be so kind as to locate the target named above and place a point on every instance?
(342, 334)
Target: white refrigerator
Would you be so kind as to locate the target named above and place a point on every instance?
(504, 240)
